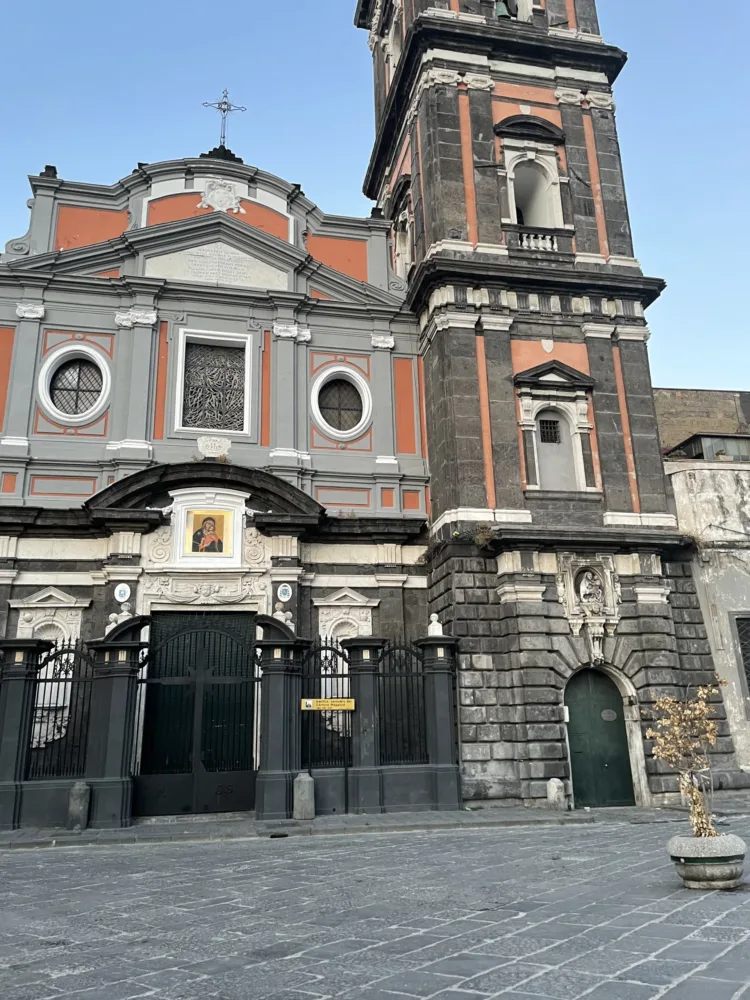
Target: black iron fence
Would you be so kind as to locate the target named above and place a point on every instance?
(62, 706)
(326, 736)
(401, 705)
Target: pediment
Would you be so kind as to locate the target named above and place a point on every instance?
(554, 374)
(345, 598)
(217, 263)
(50, 597)
(213, 250)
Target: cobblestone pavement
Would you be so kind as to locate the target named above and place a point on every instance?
(522, 914)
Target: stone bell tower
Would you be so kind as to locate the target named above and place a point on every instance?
(497, 160)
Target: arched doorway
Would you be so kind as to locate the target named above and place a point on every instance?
(598, 741)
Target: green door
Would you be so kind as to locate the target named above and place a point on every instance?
(599, 757)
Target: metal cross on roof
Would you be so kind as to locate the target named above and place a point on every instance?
(225, 108)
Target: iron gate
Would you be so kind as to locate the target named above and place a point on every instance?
(326, 736)
(401, 707)
(198, 715)
(62, 706)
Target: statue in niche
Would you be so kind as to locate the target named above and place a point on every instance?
(591, 590)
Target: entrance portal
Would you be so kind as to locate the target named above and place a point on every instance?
(197, 718)
(599, 755)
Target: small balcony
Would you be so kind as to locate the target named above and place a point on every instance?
(538, 239)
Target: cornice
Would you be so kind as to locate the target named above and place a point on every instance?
(440, 270)
(510, 42)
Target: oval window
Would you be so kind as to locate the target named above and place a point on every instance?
(340, 404)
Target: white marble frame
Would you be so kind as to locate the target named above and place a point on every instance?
(219, 339)
(69, 352)
(50, 606)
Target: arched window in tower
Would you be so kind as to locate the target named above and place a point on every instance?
(555, 454)
(403, 252)
(533, 198)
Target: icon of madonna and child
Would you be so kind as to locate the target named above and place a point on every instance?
(206, 532)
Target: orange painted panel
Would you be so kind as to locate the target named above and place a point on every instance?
(596, 184)
(80, 227)
(467, 160)
(315, 294)
(412, 499)
(527, 354)
(160, 398)
(403, 391)
(266, 219)
(7, 335)
(625, 417)
(570, 8)
(388, 498)
(175, 207)
(265, 392)
(114, 273)
(347, 256)
(9, 482)
(524, 93)
(503, 108)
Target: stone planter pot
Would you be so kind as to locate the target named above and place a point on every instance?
(709, 862)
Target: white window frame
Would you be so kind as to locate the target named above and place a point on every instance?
(213, 338)
(575, 414)
(360, 384)
(59, 357)
(545, 155)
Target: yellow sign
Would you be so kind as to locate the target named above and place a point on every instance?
(328, 704)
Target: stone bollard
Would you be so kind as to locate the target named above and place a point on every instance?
(78, 806)
(304, 797)
(556, 795)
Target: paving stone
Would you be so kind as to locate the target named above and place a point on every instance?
(701, 989)
(659, 971)
(461, 914)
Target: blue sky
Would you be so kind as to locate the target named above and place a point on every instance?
(93, 88)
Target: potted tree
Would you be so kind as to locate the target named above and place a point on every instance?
(684, 730)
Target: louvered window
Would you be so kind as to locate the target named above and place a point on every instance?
(214, 393)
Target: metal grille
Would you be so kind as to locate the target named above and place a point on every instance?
(214, 394)
(549, 431)
(326, 736)
(197, 699)
(62, 702)
(743, 630)
(403, 734)
(340, 404)
(76, 386)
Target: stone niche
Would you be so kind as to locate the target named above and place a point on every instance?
(217, 264)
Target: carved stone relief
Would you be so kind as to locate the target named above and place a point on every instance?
(589, 590)
(50, 614)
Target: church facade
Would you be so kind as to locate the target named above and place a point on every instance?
(217, 398)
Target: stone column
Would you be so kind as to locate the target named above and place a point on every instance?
(281, 726)
(439, 654)
(136, 344)
(111, 732)
(14, 442)
(18, 676)
(285, 451)
(364, 653)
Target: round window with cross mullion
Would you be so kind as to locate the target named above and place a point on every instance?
(75, 387)
(340, 404)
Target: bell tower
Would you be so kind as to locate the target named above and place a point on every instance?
(553, 546)
(497, 161)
